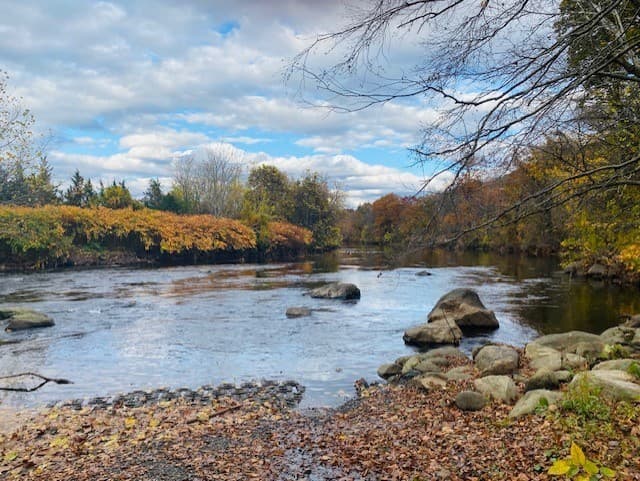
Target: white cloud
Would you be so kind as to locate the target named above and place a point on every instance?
(156, 78)
(149, 155)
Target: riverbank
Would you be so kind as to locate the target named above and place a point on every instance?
(389, 432)
(53, 237)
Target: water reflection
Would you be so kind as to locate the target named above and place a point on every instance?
(123, 329)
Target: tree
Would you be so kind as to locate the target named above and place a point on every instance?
(317, 208)
(116, 196)
(535, 67)
(25, 175)
(41, 186)
(153, 197)
(80, 193)
(208, 181)
(268, 191)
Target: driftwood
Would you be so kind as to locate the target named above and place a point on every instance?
(45, 380)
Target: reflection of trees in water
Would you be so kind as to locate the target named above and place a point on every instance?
(563, 304)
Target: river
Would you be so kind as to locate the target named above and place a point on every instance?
(123, 329)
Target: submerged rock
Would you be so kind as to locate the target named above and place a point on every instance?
(464, 307)
(336, 290)
(298, 312)
(19, 318)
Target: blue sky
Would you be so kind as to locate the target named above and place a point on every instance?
(126, 87)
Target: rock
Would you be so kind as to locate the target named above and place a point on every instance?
(550, 359)
(443, 353)
(542, 379)
(619, 385)
(429, 382)
(616, 365)
(470, 401)
(564, 376)
(434, 333)
(336, 290)
(619, 335)
(500, 388)
(576, 269)
(493, 359)
(423, 274)
(590, 350)
(19, 318)
(528, 403)
(298, 312)
(464, 307)
(460, 373)
(427, 365)
(389, 370)
(574, 362)
(597, 271)
(568, 341)
(633, 321)
(543, 357)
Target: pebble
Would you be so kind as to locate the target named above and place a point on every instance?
(286, 393)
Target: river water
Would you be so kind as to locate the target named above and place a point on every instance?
(118, 330)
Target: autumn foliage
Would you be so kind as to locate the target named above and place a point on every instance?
(50, 235)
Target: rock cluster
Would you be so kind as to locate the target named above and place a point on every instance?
(286, 393)
(456, 310)
(539, 375)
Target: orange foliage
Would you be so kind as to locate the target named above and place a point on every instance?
(282, 235)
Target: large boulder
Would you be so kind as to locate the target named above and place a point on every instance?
(464, 307)
(550, 359)
(19, 318)
(500, 388)
(528, 403)
(433, 333)
(496, 359)
(336, 290)
(626, 336)
(619, 385)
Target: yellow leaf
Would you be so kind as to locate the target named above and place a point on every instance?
(582, 477)
(560, 467)
(60, 442)
(590, 467)
(111, 441)
(203, 416)
(609, 473)
(154, 423)
(10, 456)
(129, 422)
(577, 456)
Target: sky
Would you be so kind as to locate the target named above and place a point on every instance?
(124, 88)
